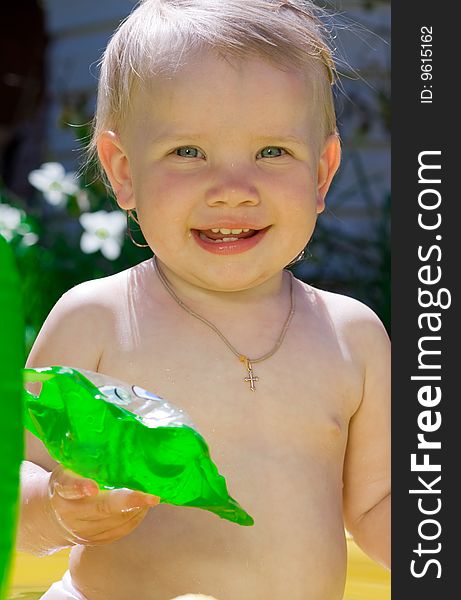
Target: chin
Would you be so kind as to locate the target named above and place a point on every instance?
(234, 278)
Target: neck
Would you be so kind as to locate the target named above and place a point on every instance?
(269, 292)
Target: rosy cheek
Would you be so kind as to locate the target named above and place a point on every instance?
(172, 180)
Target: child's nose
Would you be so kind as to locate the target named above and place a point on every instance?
(232, 189)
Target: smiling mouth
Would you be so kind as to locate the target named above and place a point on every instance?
(220, 236)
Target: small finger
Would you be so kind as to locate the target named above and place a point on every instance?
(123, 500)
(71, 486)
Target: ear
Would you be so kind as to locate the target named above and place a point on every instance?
(117, 167)
(328, 165)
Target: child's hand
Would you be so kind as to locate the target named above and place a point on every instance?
(91, 516)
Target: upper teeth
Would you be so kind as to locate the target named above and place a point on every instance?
(228, 231)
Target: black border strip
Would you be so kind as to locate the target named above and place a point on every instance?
(425, 132)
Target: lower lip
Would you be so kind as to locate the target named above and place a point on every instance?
(227, 248)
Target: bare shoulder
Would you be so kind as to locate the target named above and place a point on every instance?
(83, 321)
(73, 334)
(353, 321)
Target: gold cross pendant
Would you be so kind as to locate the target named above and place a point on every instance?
(251, 377)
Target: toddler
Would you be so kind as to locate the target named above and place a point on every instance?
(216, 129)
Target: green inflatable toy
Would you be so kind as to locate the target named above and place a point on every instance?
(123, 436)
(11, 385)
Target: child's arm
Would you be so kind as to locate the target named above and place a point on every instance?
(60, 509)
(367, 462)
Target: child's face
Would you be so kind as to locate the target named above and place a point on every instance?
(223, 146)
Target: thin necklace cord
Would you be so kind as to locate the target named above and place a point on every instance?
(248, 362)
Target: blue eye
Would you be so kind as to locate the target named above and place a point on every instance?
(271, 152)
(188, 152)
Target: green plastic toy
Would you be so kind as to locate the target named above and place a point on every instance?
(11, 428)
(124, 436)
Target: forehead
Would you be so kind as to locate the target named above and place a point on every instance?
(214, 94)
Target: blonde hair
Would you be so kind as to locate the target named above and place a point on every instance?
(159, 35)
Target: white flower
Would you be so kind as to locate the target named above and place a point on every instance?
(103, 231)
(10, 220)
(29, 239)
(53, 181)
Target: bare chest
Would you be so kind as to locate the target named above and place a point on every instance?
(281, 450)
(297, 401)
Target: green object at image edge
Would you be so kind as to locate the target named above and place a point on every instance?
(11, 429)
